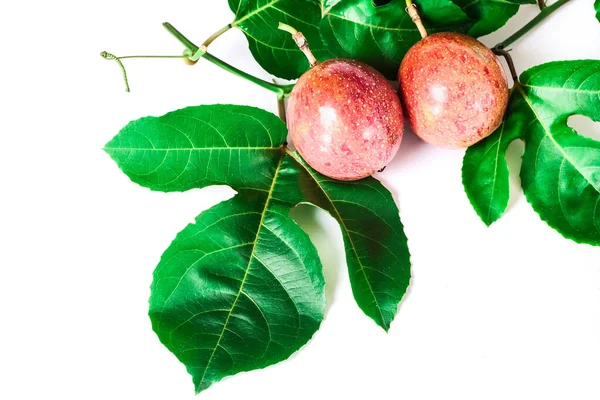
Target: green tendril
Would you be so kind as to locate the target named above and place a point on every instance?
(108, 56)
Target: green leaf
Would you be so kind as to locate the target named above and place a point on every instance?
(242, 287)
(376, 247)
(490, 15)
(485, 171)
(560, 173)
(200, 146)
(597, 7)
(381, 35)
(272, 48)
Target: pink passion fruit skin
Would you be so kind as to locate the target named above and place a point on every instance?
(454, 90)
(345, 119)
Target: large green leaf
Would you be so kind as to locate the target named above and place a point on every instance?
(273, 49)
(560, 173)
(490, 15)
(242, 287)
(597, 7)
(200, 146)
(381, 35)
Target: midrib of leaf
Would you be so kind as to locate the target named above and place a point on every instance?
(290, 15)
(324, 10)
(190, 148)
(276, 47)
(556, 144)
(260, 224)
(270, 45)
(561, 89)
(345, 228)
(258, 10)
(495, 172)
(490, 1)
(384, 28)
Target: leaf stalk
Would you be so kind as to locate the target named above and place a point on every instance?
(511, 65)
(545, 13)
(281, 108)
(215, 35)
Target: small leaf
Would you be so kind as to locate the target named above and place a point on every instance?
(490, 15)
(485, 172)
(597, 7)
(560, 173)
(273, 49)
(376, 246)
(200, 146)
(381, 35)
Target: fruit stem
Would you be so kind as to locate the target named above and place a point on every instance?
(541, 4)
(509, 61)
(281, 108)
(545, 13)
(411, 9)
(301, 42)
(197, 52)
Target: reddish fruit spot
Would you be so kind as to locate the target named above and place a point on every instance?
(486, 70)
(345, 149)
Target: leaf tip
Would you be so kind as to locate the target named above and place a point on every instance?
(488, 220)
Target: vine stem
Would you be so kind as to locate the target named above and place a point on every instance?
(198, 52)
(411, 9)
(545, 13)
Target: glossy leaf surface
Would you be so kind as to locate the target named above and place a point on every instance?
(200, 146)
(485, 170)
(381, 35)
(242, 287)
(560, 173)
(376, 246)
(490, 15)
(272, 48)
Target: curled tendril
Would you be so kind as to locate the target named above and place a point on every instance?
(109, 56)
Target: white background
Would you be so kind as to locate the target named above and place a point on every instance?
(507, 312)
